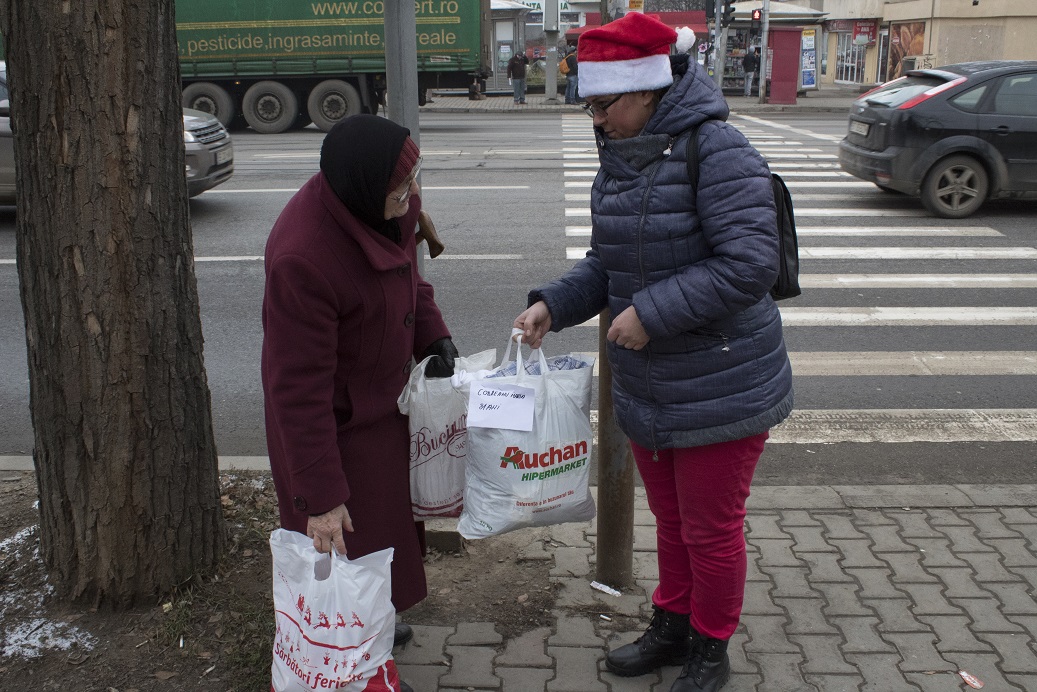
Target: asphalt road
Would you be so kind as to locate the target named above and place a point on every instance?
(908, 378)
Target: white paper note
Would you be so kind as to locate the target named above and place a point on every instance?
(506, 406)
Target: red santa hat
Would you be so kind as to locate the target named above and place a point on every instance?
(629, 54)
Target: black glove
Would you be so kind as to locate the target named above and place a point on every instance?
(442, 365)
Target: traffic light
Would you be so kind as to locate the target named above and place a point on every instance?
(754, 23)
(711, 11)
(729, 13)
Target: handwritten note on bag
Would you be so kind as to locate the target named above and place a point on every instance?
(506, 406)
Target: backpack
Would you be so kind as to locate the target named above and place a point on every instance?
(563, 66)
(787, 283)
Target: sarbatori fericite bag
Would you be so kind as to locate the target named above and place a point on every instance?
(536, 477)
(334, 619)
(438, 436)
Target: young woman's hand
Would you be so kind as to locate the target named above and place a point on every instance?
(627, 330)
(535, 322)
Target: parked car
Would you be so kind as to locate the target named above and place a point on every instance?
(955, 135)
(208, 151)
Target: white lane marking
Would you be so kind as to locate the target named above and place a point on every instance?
(581, 164)
(231, 258)
(788, 128)
(965, 231)
(796, 184)
(577, 197)
(577, 230)
(579, 183)
(580, 174)
(518, 152)
(899, 363)
(769, 149)
(577, 212)
(782, 166)
(858, 211)
(820, 426)
(576, 253)
(815, 174)
(792, 155)
(448, 256)
(569, 157)
(7, 261)
(915, 316)
(918, 280)
(424, 187)
(262, 190)
(921, 253)
(579, 150)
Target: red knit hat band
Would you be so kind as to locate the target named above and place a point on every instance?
(404, 165)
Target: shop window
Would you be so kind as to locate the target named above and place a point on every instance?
(849, 64)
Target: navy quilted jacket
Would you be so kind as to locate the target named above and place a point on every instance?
(697, 268)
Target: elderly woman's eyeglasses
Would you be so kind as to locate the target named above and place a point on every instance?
(408, 184)
(596, 109)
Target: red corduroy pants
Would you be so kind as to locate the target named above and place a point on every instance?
(698, 495)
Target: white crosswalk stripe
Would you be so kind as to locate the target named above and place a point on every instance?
(833, 206)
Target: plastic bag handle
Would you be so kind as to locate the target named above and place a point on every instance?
(516, 335)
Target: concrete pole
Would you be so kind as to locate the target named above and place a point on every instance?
(401, 73)
(551, 60)
(615, 555)
(762, 77)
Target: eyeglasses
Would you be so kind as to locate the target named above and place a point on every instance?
(405, 195)
(596, 109)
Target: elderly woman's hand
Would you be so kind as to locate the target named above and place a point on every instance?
(327, 530)
(627, 330)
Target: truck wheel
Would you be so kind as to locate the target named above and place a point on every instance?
(955, 187)
(332, 100)
(210, 98)
(270, 107)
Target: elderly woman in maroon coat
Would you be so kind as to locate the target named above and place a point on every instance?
(345, 313)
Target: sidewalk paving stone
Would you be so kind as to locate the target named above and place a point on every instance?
(798, 517)
(990, 567)
(422, 677)
(791, 582)
(783, 672)
(935, 552)
(835, 683)
(575, 631)
(840, 526)
(809, 539)
(571, 562)
(918, 652)
(1016, 599)
(887, 539)
(758, 600)
(960, 583)
(475, 634)
(895, 615)
(426, 648)
(825, 568)
(524, 679)
(986, 667)
(875, 582)
(471, 666)
(985, 615)
(929, 599)
(965, 539)
(860, 635)
(881, 672)
(805, 616)
(953, 634)
(821, 654)
(1015, 650)
(528, 650)
(576, 669)
(907, 568)
(917, 525)
(767, 635)
(855, 553)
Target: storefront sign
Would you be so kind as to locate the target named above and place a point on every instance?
(837, 25)
(865, 32)
(636, 5)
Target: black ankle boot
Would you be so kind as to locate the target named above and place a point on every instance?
(708, 668)
(664, 643)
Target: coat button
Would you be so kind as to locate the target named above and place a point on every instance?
(402, 271)
(300, 504)
(408, 320)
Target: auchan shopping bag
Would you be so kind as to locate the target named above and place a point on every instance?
(439, 436)
(529, 467)
(334, 619)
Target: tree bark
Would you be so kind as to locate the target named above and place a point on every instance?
(124, 451)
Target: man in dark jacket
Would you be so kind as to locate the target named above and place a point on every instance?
(751, 64)
(517, 75)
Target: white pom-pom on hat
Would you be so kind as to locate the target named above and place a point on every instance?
(685, 39)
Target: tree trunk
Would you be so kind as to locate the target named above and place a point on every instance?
(125, 457)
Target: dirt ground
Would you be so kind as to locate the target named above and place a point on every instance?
(218, 635)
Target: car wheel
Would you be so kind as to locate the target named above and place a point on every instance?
(270, 107)
(332, 100)
(955, 187)
(211, 99)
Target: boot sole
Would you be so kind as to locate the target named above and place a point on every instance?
(628, 673)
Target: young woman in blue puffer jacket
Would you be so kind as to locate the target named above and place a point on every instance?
(700, 370)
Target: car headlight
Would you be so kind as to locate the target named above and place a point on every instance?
(189, 137)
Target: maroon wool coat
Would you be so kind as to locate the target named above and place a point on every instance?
(344, 311)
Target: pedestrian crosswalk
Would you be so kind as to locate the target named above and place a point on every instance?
(961, 275)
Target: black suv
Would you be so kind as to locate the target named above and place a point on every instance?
(955, 135)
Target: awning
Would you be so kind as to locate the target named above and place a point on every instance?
(696, 21)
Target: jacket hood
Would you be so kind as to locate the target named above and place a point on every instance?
(691, 99)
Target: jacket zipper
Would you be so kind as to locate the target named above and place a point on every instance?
(641, 268)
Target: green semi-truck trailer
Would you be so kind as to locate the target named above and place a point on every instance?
(285, 63)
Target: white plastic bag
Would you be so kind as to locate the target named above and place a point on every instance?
(438, 437)
(540, 477)
(334, 618)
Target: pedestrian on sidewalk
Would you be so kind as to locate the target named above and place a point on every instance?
(699, 366)
(517, 75)
(345, 313)
(571, 76)
(751, 65)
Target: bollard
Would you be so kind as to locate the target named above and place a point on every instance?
(615, 554)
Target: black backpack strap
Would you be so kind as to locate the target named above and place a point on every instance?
(693, 156)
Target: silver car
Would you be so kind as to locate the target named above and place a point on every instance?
(208, 152)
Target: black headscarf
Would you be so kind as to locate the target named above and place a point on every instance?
(358, 157)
